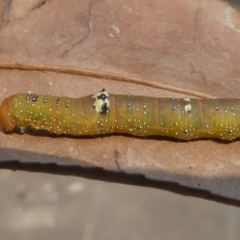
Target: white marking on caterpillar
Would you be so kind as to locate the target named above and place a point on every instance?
(188, 108)
(187, 99)
(102, 102)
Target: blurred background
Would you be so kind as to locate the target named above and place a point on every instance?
(44, 206)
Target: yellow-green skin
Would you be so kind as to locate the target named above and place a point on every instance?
(136, 115)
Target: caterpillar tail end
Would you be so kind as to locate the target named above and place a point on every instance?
(5, 120)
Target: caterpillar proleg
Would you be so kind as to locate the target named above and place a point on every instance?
(104, 113)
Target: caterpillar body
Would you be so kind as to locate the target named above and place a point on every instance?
(104, 113)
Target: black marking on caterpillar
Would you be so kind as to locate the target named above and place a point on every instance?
(28, 96)
(35, 97)
(140, 116)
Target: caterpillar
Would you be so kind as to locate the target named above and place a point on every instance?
(104, 113)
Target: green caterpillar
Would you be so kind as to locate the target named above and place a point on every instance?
(104, 113)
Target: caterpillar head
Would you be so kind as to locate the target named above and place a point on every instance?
(5, 119)
(102, 102)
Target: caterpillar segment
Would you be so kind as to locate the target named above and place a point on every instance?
(104, 113)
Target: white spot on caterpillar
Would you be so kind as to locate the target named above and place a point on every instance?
(188, 108)
(187, 99)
